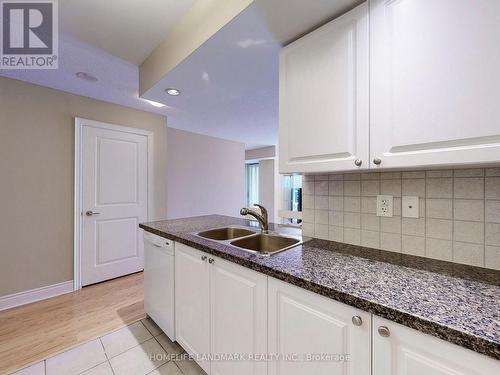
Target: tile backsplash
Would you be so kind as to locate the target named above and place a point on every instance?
(459, 212)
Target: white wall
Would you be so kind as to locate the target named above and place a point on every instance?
(266, 186)
(205, 175)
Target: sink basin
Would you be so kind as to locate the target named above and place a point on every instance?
(266, 244)
(223, 234)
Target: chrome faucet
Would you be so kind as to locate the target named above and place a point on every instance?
(262, 218)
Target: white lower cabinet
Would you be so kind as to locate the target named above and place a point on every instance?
(406, 351)
(221, 313)
(305, 324)
(192, 302)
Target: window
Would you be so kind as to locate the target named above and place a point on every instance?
(292, 195)
(252, 183)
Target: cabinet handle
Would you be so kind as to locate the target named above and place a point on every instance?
(384, 331)
(211, 260)
(358, 162)
(357, 321)
(203, 257)
(377, 161)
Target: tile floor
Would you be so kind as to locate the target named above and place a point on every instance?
(138, 349)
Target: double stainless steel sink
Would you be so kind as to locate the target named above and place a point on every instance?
(248, 240)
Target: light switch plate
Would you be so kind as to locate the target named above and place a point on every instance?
(410, 206)
(385, 205)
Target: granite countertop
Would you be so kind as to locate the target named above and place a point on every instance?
(457, 303)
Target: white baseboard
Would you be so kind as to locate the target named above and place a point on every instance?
(33, 295)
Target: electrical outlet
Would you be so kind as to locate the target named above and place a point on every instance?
(384, 205)
(410, 206)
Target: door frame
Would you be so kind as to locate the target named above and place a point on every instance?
(80, 123)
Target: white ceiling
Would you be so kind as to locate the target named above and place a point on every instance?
(129, 29)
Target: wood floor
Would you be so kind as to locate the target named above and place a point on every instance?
(34, 332)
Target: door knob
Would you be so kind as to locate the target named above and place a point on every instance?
(384, 331)
(92, 213)
(357, 321)
(358, 162)
(203, 257)
(211, 260)
(377, 161)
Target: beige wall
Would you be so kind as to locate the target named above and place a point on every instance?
(36, 178)
(206, 175)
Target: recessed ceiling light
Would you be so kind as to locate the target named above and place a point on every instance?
(155, 104)
(172, 91)
(86, 76)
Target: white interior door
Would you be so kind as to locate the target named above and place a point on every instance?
(114, 201)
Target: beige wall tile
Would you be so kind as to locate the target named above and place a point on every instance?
(390, 175)
(307, 201)
(492, 234)
(321, 177)
(413, 174)
(352, 204)
(414, 227)
(390, 224)
(321, 231)
(390, 187)
(439, 188)
(352, 220)
(390, 242)
(469, 188)
(336, 188)
(321, 202)
(468, 209)
(439, 208)
(336, 218)
(370, 188)
(492, 257)
(370, 176)
(336, 176)
(370, 238)
(308, 187)
(413, 187)
(352, 236)
(439, 173)
(308, 229)
(468, 231)
(492, 189)
(321, 216)
(439, 249)
(492, 211)
(471, 172)
(321, 188)
(493, 172)
(352, 188)
(307, 177)
(413, 245)
(308, 215)
(370, 222)
(397, 207)
(352, 176)
(439, 228)
(336, 234)
(369, 205)
(336, 203)
(467, 253)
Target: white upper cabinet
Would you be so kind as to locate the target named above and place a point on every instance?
(324, 97)
(399, 350)
(317, 331)
(434, 82)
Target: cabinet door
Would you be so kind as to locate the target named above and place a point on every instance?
(409, 352)
(434, 82)
(238, 317)
(324, 97)
(192, 323)
(302, 323)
